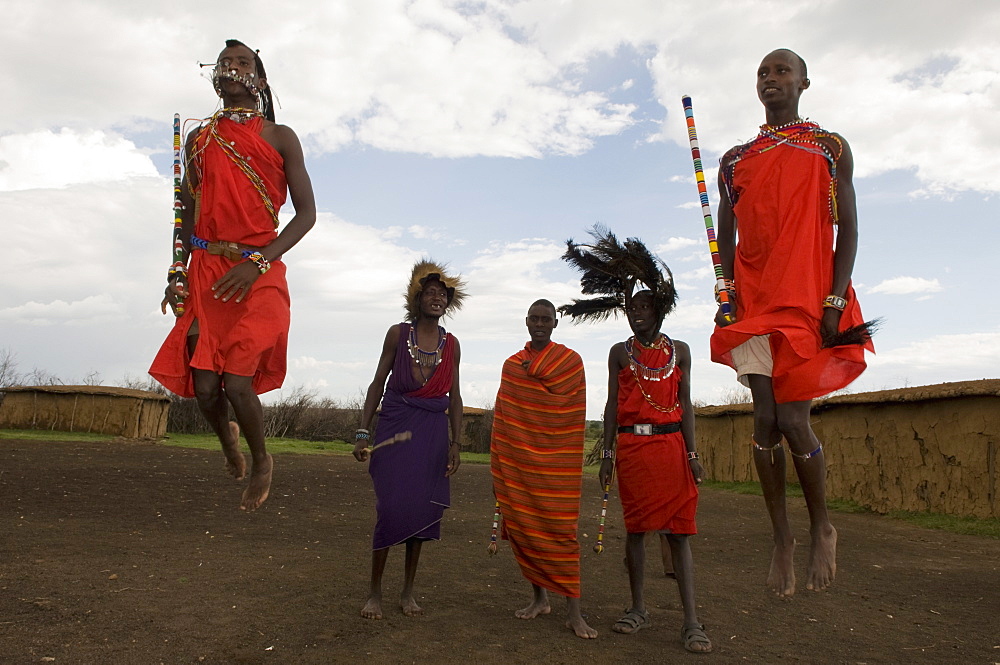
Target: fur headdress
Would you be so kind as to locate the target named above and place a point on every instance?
(611, 269)
(425, 270)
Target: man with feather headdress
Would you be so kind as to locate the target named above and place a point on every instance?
(648, 418)
(411, 454)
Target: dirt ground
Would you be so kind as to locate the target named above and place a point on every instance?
(137, 553)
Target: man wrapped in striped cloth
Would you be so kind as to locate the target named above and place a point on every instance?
(536, 456)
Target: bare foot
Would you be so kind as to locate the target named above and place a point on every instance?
(260, 485)
(580, 627)
(372, 608)
(410, 607)
(822, 559)
(531, 611)
(236, 464)
(781, 577)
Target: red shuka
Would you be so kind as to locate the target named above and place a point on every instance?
(655, 483)
(247, 338)
(784, 269)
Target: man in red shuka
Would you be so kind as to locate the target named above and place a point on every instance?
(797, 332)
(229, 344)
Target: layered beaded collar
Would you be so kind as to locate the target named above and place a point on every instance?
(240, 115)
(634, 347)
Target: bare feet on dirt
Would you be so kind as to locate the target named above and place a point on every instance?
(260, 485)
(236, 464)
(781, 577)
(410, 607)
(822, 559)
(580, 627)
(533, 610)
(372, 608)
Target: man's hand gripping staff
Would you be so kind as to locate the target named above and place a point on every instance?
(723, 288)
(177, 273)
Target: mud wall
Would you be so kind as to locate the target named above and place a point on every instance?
(931, 448)
(100, 409)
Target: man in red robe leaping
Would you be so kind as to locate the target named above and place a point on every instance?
(229, 344)
(797, 333)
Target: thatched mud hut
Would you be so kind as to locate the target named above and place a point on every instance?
(101, 409)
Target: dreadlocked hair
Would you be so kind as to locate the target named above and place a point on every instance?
(610, 269)
(266, 99)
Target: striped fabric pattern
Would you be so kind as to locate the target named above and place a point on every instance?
(537, 462)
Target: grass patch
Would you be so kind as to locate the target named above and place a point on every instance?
(49, 435)
(988, 527)
(278, 446)
(274, 446)
(751, 488)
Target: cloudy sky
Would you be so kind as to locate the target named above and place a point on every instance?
(485, 133)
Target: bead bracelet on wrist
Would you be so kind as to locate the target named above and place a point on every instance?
(263, 265)
(693, 455)
(834, 302)
(607, 454)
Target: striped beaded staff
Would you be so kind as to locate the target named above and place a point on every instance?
(492, 548)
(599, 547)
(179, 266)
(706, 210)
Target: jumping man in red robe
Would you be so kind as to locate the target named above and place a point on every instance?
(229, 344)
(797, 333)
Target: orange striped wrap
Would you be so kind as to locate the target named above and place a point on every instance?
(536, 455)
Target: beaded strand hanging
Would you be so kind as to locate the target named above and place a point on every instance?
(642, 372)
(211, 128)
(801, 134)
(425, 359)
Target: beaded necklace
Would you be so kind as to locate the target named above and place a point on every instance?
(425, 359)
(642, 372)
(801, 134)
(650, 373)
(242, 116)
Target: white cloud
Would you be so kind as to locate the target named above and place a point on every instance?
(674, 244)
(963, 355)
(451, 78)
(47, 159)
(899, 286)
(92, 309)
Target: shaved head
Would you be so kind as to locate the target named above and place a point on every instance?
(544, 303)
(796, 58)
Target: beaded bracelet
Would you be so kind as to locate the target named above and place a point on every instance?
(835, 302)
(175, 270)
(607, 453)
(730, 285)
(362, 434)
(693, 455)
(262, 264)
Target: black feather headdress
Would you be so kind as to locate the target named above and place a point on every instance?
(610, 271)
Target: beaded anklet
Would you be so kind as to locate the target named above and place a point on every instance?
(805, 456)
(757, 446)
(818, 450)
